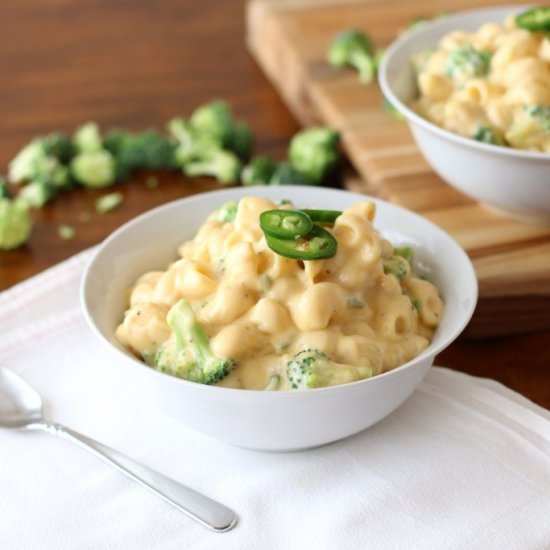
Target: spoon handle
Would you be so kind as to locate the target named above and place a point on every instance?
(210, 513)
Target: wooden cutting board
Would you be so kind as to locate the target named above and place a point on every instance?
(289, 39)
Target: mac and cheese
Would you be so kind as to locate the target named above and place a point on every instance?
(492, 85)
(364, 308)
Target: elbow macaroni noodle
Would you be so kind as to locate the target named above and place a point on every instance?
(469, 98)
(259, 308)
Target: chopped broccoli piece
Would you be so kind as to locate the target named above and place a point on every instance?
(22, 167)
(405, 252)
(4, 190)
(37, 193)
(417, 304)
(15, 223)
(144, 150)
(466, 62)
(396, 266)
(540, 114)
(87, 138)
(240, 140)
(312, 368)
(314, 152)
(157, 150)
(286, 174)
(214, 119)
(259, 171)
(108, 202)
(487, 135)
(191, 144)
(59, 146)
(356, 302)
(222, 165)
(95, 169)
(51, 171)
(188, 355)
(228, 212)
(354, 48)
(66, 232)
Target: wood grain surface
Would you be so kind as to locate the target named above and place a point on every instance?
(290, 40)
(136, 64)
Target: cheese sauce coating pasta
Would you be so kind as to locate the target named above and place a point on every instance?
(259, 308)
(492, 85)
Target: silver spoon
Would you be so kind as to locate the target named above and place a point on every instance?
(21, 409)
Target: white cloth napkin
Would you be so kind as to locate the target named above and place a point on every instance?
(464, 464)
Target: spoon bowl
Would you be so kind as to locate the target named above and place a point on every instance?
(20, 403)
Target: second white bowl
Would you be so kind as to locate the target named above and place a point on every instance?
(512, 180)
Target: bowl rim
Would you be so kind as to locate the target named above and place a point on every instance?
(430, 351)
(412, 117)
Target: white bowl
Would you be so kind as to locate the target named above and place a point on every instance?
(264, 420)
(512, 180)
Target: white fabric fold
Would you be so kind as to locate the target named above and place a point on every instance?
(463, 464)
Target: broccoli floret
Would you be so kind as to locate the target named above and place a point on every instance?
(396, 265)
(405, 252)
(466, 62)
(240, 140)
(228, 212)
(191, 144)
(222, 165)
(34, 163)
(259, 171)
(49, 170)
(22, 167)
(314, 152)
(108, 202)
(95, 169)
(214, 119)
(487, 135)
(145, 150)
(188, 355)
(353, 48)
(4, 189)
(37, 193)
(312, 368)
(540, 114)
(87, 138)
(66, 232)
(157, 151)
(59, 146)
(286, 174)
(15, 223)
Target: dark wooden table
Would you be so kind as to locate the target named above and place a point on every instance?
(136, 63)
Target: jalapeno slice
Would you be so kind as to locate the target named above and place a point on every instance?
(285, 224)
(535, 19)
(322, 216)
(316, 245)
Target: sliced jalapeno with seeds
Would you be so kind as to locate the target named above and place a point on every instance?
(322, 216)
(285, 224)
(316, 245)
(535, 19)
